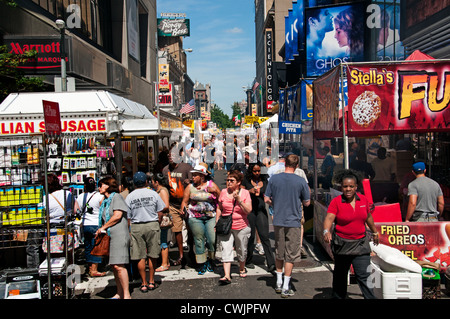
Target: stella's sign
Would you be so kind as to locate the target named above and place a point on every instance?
(399, 97)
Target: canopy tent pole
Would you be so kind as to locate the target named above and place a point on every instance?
(345, 137)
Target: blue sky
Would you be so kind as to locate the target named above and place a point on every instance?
(223, 41)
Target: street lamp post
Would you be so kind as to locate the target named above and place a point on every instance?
(61, 25)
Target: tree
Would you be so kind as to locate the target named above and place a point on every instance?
(221, 119)
(13, 79)
(236, 109)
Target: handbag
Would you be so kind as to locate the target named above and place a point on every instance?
(166, 221)
(101, 246)
(223, 225)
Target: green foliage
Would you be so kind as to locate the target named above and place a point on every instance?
(12, 79)
(11, 3)
(236, 109)
(221, 119)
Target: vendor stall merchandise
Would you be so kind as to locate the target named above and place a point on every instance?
(404, 97)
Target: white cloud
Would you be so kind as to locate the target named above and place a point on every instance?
(235, 30)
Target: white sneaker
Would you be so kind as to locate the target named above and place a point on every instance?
(287, 293)
(259, 248)
(279, 289)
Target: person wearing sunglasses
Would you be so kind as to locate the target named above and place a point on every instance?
(256, 184)
(234, 200)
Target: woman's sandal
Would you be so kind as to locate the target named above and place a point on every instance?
(143, 288)
(152, 286)
(162, 268)
(224, 281)
(97, 274)
(243, 273)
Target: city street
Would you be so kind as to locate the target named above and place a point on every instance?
(311, 279)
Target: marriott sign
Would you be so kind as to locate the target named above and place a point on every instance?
(48, 58)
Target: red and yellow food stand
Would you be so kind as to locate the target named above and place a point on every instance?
(388, 98)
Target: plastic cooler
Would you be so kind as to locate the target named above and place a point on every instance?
(396, 285)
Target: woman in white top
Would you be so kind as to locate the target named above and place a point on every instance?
(57, 198)
(89, 205)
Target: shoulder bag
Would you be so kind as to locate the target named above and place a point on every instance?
(223, 225)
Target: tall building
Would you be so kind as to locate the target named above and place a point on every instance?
(269, 37)
(109, 44)
(202, 96)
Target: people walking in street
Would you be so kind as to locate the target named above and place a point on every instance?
(89, 204)
(426, 199)
(350, 212)
(256, 184)
(287, 192)
(113, 220)
(278, 168)
(178, 176)
(200, 201)
(235, 201)
(157, 184)
(145, 211)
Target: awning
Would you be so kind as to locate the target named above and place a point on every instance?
(117, 113)
(273, 119)
(139, 127)
(78, 102)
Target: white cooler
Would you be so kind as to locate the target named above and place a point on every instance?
(396, 285)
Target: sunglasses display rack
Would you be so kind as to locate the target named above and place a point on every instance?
(21, 190)
(79, 156)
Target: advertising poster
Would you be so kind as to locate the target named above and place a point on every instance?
(418, 240)
(133, 29)
(306, 100)
(334, 34)
(384, 23)
(399, 97)
(290, 115)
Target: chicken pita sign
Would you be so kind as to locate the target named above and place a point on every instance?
(399, 97)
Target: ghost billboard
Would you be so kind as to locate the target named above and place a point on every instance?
(334, 34)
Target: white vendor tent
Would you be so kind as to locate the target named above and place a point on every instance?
(120, 115)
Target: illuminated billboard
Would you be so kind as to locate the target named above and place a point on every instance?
(334, 34)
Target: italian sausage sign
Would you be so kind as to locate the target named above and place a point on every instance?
(399, 97)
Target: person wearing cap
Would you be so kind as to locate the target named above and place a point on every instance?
(200, 202)
(146, 208)
(426, 200)
(89, 204)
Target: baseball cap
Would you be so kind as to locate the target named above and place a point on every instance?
(139, 179)
(418, 167)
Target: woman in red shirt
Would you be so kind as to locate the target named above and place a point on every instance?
(350, 213)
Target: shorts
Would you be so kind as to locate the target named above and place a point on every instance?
(145, 241)
(177, 220)
(287, 243)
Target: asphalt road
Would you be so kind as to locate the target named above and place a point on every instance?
(311, 280)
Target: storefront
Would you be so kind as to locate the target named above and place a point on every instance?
(384, 99)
